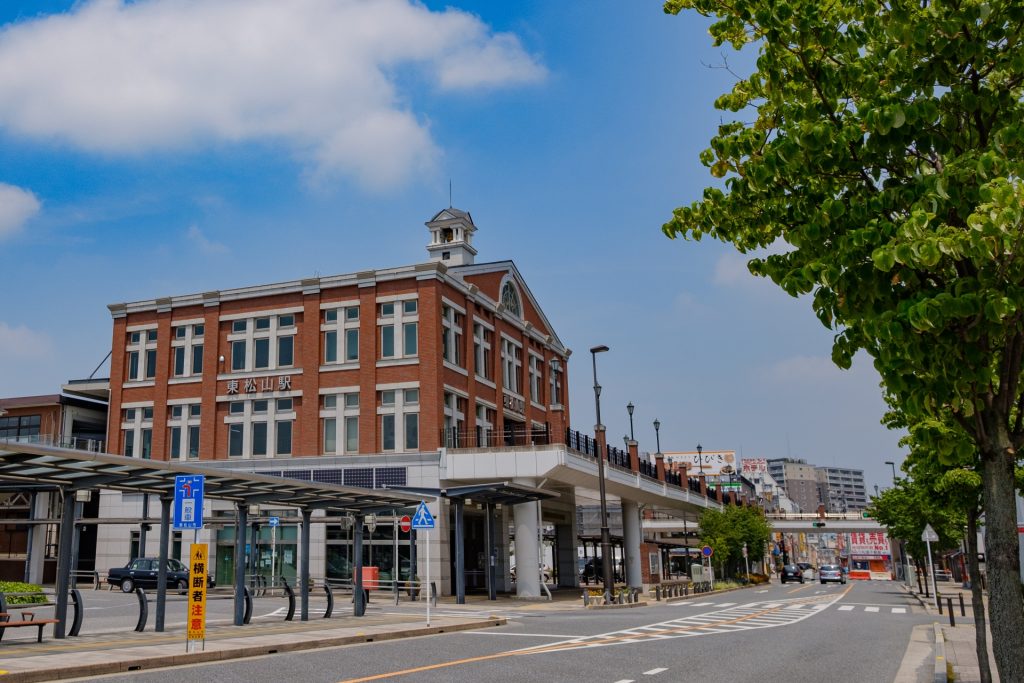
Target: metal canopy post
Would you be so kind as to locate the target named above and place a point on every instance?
(161, 572)
(241, 524)
(492, 552)
(304, 565)
(144, 527)
(460, 553)
(67, 531)
(359, 600)
(28, 540)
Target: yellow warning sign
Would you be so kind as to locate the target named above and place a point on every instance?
(198, 567)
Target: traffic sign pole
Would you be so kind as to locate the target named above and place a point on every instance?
(425, 521)
(929, 535)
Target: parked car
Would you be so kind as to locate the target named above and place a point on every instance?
(142, 573)
(831, 572)
(792, 572)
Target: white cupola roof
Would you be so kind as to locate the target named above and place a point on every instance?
(451, 237)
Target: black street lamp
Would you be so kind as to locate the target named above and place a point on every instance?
(606, 539)
(891, 464)
(700, 459)
(629, 409)
(657, 435)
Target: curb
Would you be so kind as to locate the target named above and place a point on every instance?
(182, 659)
(940, 656)
(615, 605)
(695, 596)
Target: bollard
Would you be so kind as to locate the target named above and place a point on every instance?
(140, 625)
(586, 598)
(963, 612)
(657, 593)
(952, 619)
(938, 600)
(330, 600)
(76, 622)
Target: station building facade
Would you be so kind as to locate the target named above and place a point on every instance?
(362, 379)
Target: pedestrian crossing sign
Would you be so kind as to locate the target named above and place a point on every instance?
(422, 519)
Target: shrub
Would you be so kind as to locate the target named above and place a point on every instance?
(7, 587)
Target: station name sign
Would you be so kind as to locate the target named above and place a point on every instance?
(258, 385)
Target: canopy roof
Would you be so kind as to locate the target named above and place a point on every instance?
(35, 464)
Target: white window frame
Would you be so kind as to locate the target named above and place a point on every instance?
(453, 417)
(133, 428)
(511, 365)
(453, 320)
(555, 381)
(341, 327)
(142, 347)
(340, 413)
(273, 333)
(483, 352)
(185, 423)
(188, 342)
(271, 417)
(399, 409)
(398, 320)
(536, 371)
(485, 426)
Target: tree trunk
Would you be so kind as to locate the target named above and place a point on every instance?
(1006, 599)
(977, 604)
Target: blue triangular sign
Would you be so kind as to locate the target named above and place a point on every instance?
(422, 519)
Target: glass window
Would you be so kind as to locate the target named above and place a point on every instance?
(175, 442)
(151, 335)
(198, 330)
(179, 360)
(236, 407)
(147, 443)
(331, 347)
(331, 315)
(262, 323)
(129, 442)
(235, 439)
(330, 435)
(387, 310)
(387, 341)
(331, 401)
(286, 321)
(147, 413)
(409, 307)
(150, 363)
(180, 331)
(351, 344)
(259, 406)
(284, 405)
(175, 411)
(352, 313)
(133, 365)
(284, 437)
(129, 414)
(412, 431)
(387, 425)
(194, 410)
(193, 441)
(259, 438)
(410, 339)
(351, 400)
(412, 396)
(135, 337)
(238, 355)
(387, 398)
(352, 434)
(197, 359)
(285, 349)
(239, 325)
(261, 353)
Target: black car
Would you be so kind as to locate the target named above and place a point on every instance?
(142, 573)
(792, 572)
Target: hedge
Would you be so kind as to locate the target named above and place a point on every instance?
(7, 587)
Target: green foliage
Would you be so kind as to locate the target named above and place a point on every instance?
(7, 587)
(726, 531)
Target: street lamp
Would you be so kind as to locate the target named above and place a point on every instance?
(606, 540)
(891, 464)
(657, 435)
(903, 549)
(629, 409)
(700, 459)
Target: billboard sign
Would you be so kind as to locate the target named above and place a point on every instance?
(710, 463)
(869, 544)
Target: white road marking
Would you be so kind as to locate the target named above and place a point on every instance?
(625, 680)
(870, 609)
(765, 590)
(899, 610)
(703, 604)
(524, 635)
(655, 672)
(727, 604)
(846, 608)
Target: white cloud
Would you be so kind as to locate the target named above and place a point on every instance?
(319, 74)
(17, 206)
(22, 343)
(204, 244)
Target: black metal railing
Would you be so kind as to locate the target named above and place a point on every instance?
(694, 484)
(648, 469)
(580, 442)
(481, 437)
(618, 457)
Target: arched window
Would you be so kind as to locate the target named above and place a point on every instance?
(510, 299)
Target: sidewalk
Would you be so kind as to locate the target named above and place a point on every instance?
(93, 655)
(959, 641)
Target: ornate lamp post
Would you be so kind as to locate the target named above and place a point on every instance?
(629, 409)
(700, 459)
(606, 539)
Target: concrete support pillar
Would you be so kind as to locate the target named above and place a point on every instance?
(359, 600)
(35, 551)
(241, 525)
(527, 551)
(565, 540)
(459, 505)
(161, 572)
(632, 537)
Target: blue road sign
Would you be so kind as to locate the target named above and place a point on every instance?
(422, 519)
(188, 502)
(706, 551)
(275, 521)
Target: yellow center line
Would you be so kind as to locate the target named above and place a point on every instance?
(561, 647)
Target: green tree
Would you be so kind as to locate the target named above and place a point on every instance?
(726, 531)
(879, 145)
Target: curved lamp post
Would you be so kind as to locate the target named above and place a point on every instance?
(606, 539)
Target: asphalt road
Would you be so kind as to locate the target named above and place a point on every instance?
(793, 633)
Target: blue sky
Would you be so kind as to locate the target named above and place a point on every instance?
(162, 147)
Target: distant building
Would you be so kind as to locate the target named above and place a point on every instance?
(769, 493)
(842, 489)
(799, 480)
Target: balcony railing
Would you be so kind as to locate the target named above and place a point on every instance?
(482, 437)
(72, 442)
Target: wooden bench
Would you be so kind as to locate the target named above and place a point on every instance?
(27, 619)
